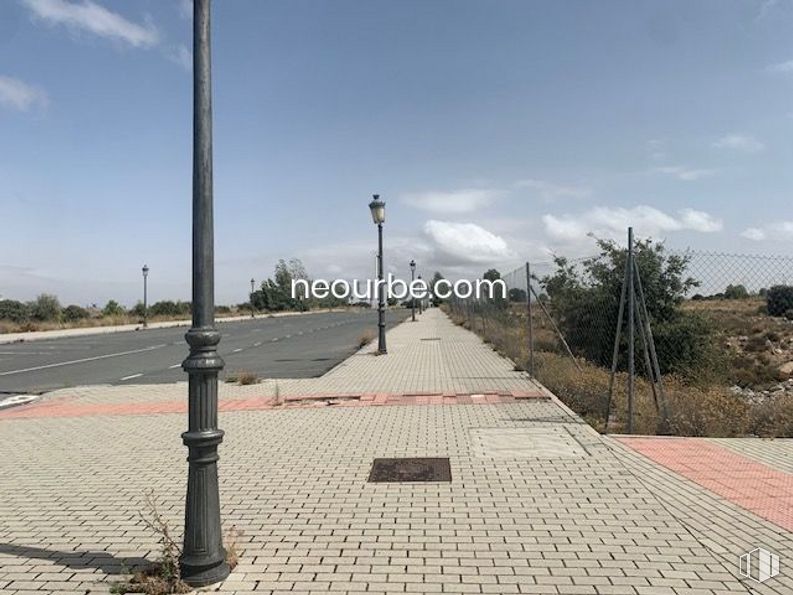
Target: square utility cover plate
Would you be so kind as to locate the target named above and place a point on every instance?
(415, 469)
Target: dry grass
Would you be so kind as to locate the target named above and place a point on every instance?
(243, 377)
(366, 337)
(693, 410)
(231, 543)
(756, 344)
(6, 326)
(163, 577)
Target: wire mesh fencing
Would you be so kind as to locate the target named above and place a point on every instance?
(652, 340)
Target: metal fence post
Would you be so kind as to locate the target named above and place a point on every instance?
(653, 354)
(616, 352)
(528, 307)
(631, 323)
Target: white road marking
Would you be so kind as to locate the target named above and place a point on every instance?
(274, 340)
(257, 344)
(174, 366)
(131, 376)
(81, 361)
(236, 350)
(17, 400)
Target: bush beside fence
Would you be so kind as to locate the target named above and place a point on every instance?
(723, 350)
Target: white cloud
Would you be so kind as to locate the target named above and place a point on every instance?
(457, 201)
(465, 243)
(753, 233)
(739, 142)
(549, 191)
(781, 67)
(780, 231)
(181, 55)
(611, 222)
(684, 173)
(186, 9)
(765, 8)
(699, 221)
(21, 96)
(89, 16)
(657, 149)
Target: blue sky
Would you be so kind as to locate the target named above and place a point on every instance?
(495, 131)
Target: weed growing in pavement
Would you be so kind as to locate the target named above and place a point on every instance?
(365, 338)
(230, 542)
(278, 400)
(163, 577)
(242, 377)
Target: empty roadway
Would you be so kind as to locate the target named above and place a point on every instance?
(297, 346)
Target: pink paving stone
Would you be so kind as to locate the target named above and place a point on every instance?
(67, 407)
(760, 489)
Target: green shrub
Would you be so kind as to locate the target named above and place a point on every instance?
(73, 313)
(113, 308)
(585, 302)
(170, 308)
(14, 311)
(779, 299)
(686, 346)
(45, 308)
(736, 292)
(137, 310)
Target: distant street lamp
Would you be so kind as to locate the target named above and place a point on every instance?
(203, 559)
(412, 297)
(145, 294)
(377, 207)
(253, 283)
(421, 301)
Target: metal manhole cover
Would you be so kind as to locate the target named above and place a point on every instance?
(415, 469)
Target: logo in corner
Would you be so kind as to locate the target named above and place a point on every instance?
(758, 564)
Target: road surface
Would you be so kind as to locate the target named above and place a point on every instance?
(298, 346)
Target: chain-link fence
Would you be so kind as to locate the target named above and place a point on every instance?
(701, 345)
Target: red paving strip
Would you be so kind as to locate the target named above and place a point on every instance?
(763, 490)
(69, 407)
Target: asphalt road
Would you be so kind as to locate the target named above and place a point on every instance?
(299, 346)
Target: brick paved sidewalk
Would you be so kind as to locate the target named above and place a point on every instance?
(538, 502)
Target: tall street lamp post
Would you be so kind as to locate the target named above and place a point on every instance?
(377, 207)
(253, 284)
(145, 295)
(412, 298)
(374, 298)
(203, 559)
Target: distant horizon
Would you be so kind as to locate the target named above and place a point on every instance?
(495, 133)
